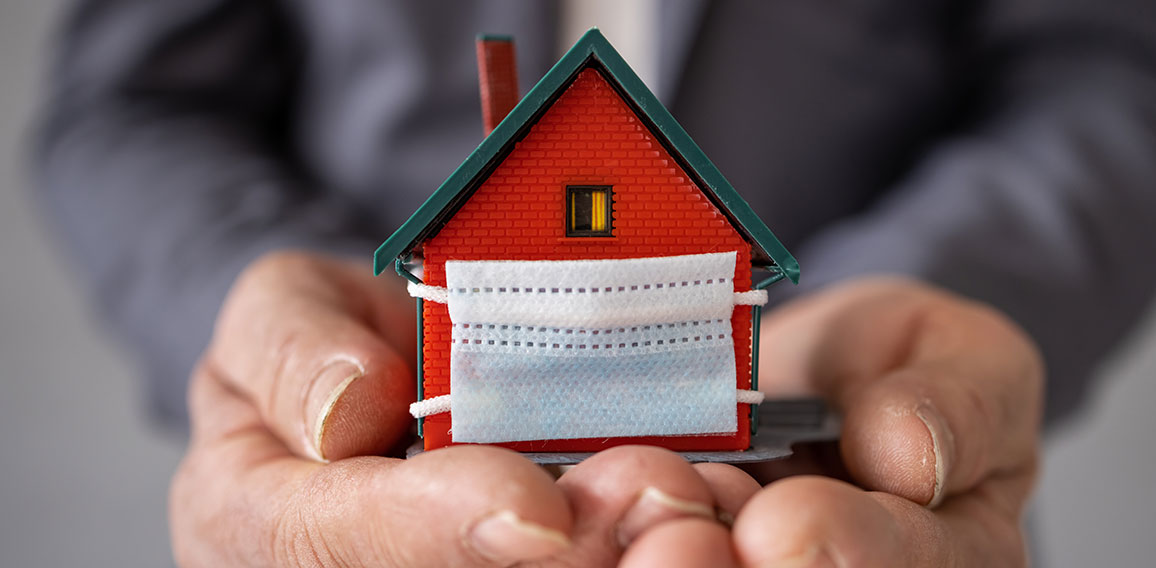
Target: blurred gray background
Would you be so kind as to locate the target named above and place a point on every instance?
(83, 475)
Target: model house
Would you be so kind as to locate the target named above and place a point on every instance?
(585, 276)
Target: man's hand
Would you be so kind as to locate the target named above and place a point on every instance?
(942, 402)
(311, 365)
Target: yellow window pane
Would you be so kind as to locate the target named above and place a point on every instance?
(598, 208)
(588, 211)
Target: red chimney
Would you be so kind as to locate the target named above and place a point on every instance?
(497, 78)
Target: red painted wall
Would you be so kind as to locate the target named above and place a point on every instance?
(588, 137)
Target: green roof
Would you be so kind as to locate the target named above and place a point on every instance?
(591, 50)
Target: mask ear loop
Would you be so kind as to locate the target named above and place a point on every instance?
(430, 406)
(436, 294)
(750, 396)
(751, 298)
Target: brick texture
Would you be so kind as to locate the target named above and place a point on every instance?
(588, 137)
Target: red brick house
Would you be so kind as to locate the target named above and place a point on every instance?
(587, 169)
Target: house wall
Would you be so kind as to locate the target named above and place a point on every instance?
(588, 137)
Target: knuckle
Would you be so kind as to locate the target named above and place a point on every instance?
(297, 535)
(304, 532)
(292, 542)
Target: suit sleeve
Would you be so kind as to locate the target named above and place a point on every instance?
(1042, 202)
(165, 158)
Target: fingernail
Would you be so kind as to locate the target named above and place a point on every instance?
(334, 380)
(942, 445)
(654, 506)
(816, 557)
(507, 539)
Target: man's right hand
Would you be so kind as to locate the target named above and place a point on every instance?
(310, 365)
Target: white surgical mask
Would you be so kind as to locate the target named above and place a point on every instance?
(551, 350)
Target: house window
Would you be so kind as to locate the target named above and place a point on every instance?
(588, 211)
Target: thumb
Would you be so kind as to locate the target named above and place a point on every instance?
(241, 499)
(313, 343)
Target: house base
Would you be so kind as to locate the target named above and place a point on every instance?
(782, 424)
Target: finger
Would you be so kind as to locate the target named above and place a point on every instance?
(923, 434)
(683, 542)
(241, 499)
(620, 493)
(731, 487)
(814, 521)
(307, 339)
(965, 404)
(937, 392)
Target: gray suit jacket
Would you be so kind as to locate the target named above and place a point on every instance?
(1006, 150)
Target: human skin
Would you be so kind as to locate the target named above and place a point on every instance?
(942, 403)
(307, 381)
